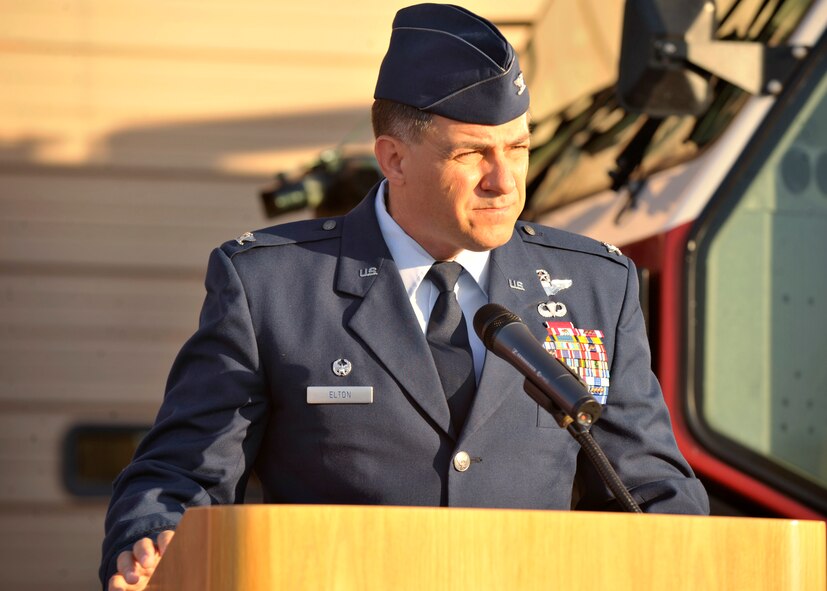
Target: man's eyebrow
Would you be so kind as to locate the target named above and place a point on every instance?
(468, 145)
(475, 145)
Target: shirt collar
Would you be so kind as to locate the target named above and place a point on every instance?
(412, 260)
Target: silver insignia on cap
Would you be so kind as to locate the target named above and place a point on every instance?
(520, 84)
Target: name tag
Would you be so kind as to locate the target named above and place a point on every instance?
(339, 394)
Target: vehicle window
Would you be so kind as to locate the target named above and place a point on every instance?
(763, 305)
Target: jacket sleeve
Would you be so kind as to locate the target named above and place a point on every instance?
(635, 430)
(208, 429)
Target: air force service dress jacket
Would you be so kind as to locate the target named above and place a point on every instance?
(282, 309)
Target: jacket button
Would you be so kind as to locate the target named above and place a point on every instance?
(529, 230)
(462, 461)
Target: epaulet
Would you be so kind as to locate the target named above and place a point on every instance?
(290, 233)
(554, 238)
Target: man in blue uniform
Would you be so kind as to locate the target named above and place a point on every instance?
(335, 356)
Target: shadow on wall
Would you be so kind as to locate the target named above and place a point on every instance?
(215, 140)
(270, 143)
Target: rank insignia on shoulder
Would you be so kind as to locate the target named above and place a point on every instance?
(246, 237)
(612, 248)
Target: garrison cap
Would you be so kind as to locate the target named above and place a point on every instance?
(444, 59)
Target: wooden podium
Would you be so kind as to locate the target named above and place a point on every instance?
(365, 548)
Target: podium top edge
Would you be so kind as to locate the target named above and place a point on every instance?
(423, 510)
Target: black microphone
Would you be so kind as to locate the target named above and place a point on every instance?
(504, 333)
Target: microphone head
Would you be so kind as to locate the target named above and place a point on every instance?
(490, 319)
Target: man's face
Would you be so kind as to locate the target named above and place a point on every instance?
(463, 185)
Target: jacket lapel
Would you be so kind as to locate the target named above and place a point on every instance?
(383, 318)
(509, 269)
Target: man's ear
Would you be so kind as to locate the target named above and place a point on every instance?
(390, 152)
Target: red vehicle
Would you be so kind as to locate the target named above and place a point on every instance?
(725, 213)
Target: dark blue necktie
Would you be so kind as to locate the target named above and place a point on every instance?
(448, 338)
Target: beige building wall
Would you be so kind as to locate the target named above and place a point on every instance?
(134, 136)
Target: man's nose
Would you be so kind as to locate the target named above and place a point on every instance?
(498, 177)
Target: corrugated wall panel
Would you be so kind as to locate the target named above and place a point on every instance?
(46, 548)
(101, 279)
(49, 218)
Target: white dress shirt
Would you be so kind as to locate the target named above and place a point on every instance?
(414, 263)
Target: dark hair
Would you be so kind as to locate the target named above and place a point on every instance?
(399, 120)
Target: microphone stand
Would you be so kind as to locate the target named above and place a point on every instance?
(589, 445)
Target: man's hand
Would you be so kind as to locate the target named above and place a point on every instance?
(136, 566)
